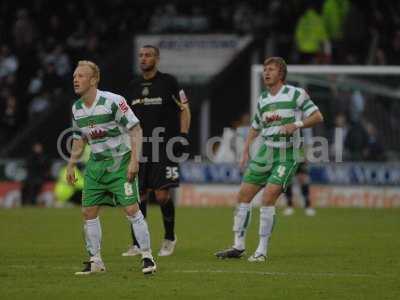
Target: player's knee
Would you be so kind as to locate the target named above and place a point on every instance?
(243, 196)
(271, 194)
(131, 210)
(162, 196)
(89, 213)
(143, 197)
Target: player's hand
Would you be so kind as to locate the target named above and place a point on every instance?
(288, 129)
(184, 100)
(70, 176)
(245, 159)
(133, 170)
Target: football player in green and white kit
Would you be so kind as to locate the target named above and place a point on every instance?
(276, 160)
(105, 121)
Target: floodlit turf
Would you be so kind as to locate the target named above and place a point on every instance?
(339, 254)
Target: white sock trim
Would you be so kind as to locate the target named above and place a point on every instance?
(141, 230)
(93, 235)
(269, 210)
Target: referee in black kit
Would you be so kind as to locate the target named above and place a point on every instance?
(164, 115)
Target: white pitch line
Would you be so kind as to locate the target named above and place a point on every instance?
(275, 273)
(262, 273)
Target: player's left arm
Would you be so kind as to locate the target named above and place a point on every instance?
(125, 117)
(181, 100)
(185, 114)
(136, 137)
(315, 118)
(311, 112)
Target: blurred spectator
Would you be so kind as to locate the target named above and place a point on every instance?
(55, 29)
(375, 150)
(92, 50)
(37, 166)
(198, 20)
(338, 135)
(38, 105)
(226, 152)
(66, 194)
(393, 51)
(163, 18)
(10, 83)
(51, 81)
(77, 40)
(232, 141)
(243, 18)
(60, 60)
(9, 119)
(24, 30)
(356, 141)
(311, 37)
(167, 18)
(334, 12)
(357, 106)
(355, 40)
(36, 83)
(8, 62)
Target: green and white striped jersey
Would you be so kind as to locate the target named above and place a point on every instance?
(105, 125)
(275, 111)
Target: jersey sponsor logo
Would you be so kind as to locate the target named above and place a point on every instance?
(147, 101)
(270, 117)
(123, 106)
(96, 134)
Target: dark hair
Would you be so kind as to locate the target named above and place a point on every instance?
(280, 62)
(156, 49)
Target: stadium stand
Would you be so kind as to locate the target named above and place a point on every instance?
(41, 41)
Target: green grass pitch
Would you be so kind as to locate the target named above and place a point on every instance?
(339, 254)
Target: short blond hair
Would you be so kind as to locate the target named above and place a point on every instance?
(92, 66)
(280, 62)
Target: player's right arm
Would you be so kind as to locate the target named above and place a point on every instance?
(79, 142)
(253, 134)
(136, 136)
(78, 145)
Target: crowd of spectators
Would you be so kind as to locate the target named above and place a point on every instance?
(42, 40)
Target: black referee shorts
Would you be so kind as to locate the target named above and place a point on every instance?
(161, 175)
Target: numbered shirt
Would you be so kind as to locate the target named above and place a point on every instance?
(105, 124)
(273, 112)
(154, 103)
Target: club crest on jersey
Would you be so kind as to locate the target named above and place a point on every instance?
(92, 123)
(145, 91)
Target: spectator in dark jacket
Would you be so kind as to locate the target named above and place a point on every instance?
(37, 167)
